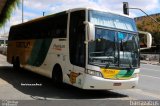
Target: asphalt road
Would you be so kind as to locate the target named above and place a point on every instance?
(150, 78)
(11, 87)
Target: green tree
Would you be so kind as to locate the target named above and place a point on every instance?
(5, 14)
(146, 24)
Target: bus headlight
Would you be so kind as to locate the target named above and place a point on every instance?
(94, 73)
(135, 75)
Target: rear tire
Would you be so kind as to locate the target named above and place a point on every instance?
(16, 64)
(57, 77)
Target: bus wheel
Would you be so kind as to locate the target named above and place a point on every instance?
(16, 64)
(57, 77)
(12, 60)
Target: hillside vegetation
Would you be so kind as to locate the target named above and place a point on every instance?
(147, 24)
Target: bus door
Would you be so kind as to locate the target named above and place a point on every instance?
(77, 47)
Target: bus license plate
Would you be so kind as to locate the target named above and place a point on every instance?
(117, 84)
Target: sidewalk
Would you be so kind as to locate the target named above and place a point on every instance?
(3, 61)
(150, 62)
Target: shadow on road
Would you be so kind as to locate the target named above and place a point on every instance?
(48, 90)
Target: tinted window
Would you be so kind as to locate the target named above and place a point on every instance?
(77, 37)
(54, 26)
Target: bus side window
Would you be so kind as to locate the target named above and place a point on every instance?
(59, 26)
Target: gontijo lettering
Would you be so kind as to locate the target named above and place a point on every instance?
(23, 44)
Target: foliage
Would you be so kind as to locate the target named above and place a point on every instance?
(7, 11)
(147, 24)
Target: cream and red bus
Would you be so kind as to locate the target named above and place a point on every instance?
(84, 47)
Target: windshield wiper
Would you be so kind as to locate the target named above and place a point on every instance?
(130, 64)
(115, 58)
(107, 65)
(118, 54)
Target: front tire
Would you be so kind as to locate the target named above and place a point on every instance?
(57, 77)
(16, 64)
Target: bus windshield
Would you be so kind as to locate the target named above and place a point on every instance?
(112, 20)
(116, 41)
(112, 48)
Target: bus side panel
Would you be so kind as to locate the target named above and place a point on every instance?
(39, 52)
(21, 49)
(55, 55)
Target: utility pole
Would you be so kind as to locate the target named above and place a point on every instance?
(43, 13)
(4, 30)
(22, 11)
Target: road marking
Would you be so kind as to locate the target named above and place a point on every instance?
(120, 98)
(150, 69)
(140, 91)
(150, 76)
(44, 98)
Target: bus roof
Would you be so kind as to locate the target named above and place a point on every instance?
(67, 11)
(97, 9)
(38, 19)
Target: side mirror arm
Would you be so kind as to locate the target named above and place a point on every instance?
(149, 39)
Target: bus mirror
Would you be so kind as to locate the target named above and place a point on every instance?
(145, 40)
(91, 31)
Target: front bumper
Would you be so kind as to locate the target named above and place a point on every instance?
(93, 82)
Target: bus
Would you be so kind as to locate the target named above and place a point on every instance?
(83, 47)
